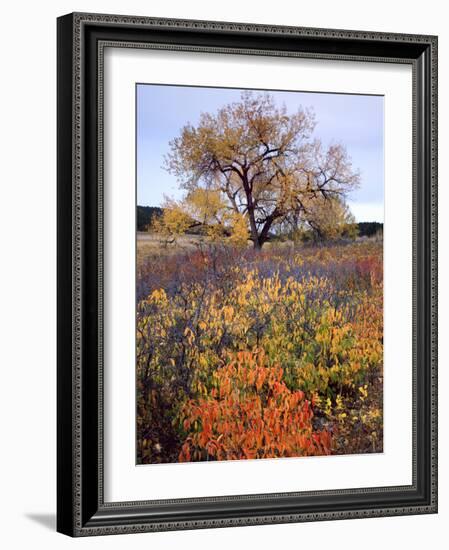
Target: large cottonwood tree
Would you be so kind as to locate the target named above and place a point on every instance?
(256, 160)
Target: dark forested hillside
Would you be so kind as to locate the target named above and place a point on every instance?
(368, 229)
(145, 215)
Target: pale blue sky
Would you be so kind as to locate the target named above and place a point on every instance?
(356, 121)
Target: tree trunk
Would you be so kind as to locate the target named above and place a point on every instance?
(253, 228)
(263, 237)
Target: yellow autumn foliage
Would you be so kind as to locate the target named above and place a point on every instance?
(317, 313)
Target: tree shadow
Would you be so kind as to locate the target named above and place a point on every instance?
(46, 520)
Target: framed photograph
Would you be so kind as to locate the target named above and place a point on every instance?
(247, 274)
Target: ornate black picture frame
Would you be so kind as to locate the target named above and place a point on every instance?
(81, 509)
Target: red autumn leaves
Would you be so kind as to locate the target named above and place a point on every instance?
(250, 413)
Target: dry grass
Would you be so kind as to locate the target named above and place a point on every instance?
(150, 245)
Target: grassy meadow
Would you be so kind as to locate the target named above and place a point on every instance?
(245, 354)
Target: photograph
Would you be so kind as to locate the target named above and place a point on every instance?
(259, 273)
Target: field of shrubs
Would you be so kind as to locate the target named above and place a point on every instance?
(245, 354)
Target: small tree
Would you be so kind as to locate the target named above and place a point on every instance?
(173, 222)
(330, 219)
(239, 230)
(204, 209)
